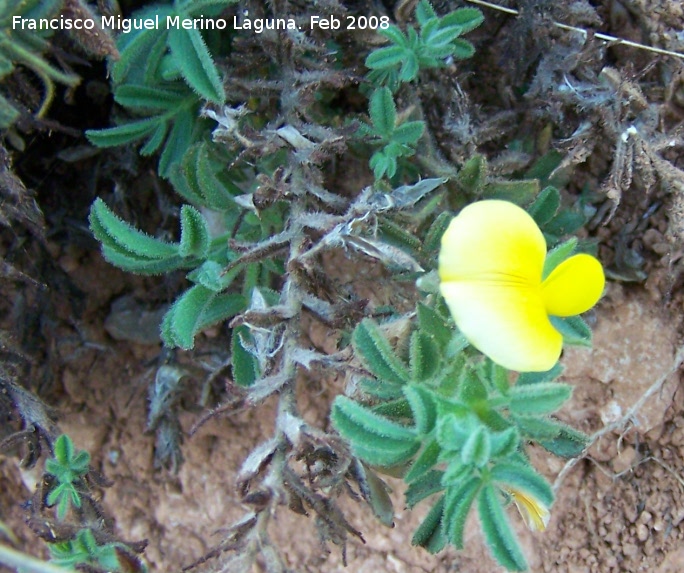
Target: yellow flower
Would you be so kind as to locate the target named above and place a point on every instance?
(490, 270)
(534, 513)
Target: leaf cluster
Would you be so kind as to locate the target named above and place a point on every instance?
(215, 266)
(162, 76)
(401, 62)
(67, 478)
(83, 549)
(453, 425)
(396, 140)
(68, 467)
(437, 40)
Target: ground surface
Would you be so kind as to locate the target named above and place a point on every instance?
(620, 508)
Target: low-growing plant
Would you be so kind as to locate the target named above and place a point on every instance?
(80, 535)
(248, 154)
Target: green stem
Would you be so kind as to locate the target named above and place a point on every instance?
(40, 66)
(17, 559)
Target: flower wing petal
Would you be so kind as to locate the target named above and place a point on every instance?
(533, 512)
(574, 286)
(491, 239)
(506, 322)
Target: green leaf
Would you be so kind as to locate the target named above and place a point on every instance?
(472, 391)
(463, 49)
(213, 276)
(196, 64)
(376, 354)
(394, 34)
(536, 377)
(155, 141)
(569, 443)
(473, 175)
(564, 223)
(383, 112)
(245, 365)
(557, 255)
(434, 325)
(386, 454)
(574, 330)
(518, 192)
(115, 233)
(477, 448)
(499, 378)
(537, 427)
(497, 530)
(540, 398)
(423, 486)
(381, 388)
(409, 133)
(410, 67)
(195, 179)
(523, 477)
(148, 98)
(545, 206)
(379, 499)
(467, 18)
(423, 408)
(120, 258)
(504, 443)
(179, 141)
(458, 501)
(424, 356)
(425, 12)
(64, 449)
(122, 134)
(430, 533)
(347, 414)
(398, 409)
(386, 57)
(194, 240)
(194, 310)
(453, 431)
(437, 229)
(424, 462)
(441, 36)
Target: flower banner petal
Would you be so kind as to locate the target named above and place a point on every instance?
(491, 239)
(507, 323)
(574, 286)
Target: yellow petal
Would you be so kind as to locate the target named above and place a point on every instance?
(505, 321)
(574, 286)
(492, 240)
(535, 514)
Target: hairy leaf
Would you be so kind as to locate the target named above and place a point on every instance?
(430, 533)
(497, 530)
(194, 238)
(376, 354)
(383, 112)
(458, 501)
(196, 64)
(540, 398)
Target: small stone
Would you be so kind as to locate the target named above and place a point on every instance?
(129, 320)
(645, 517)
(642, 532)
(624, 460)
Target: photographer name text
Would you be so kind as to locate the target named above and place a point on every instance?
(255, 25)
